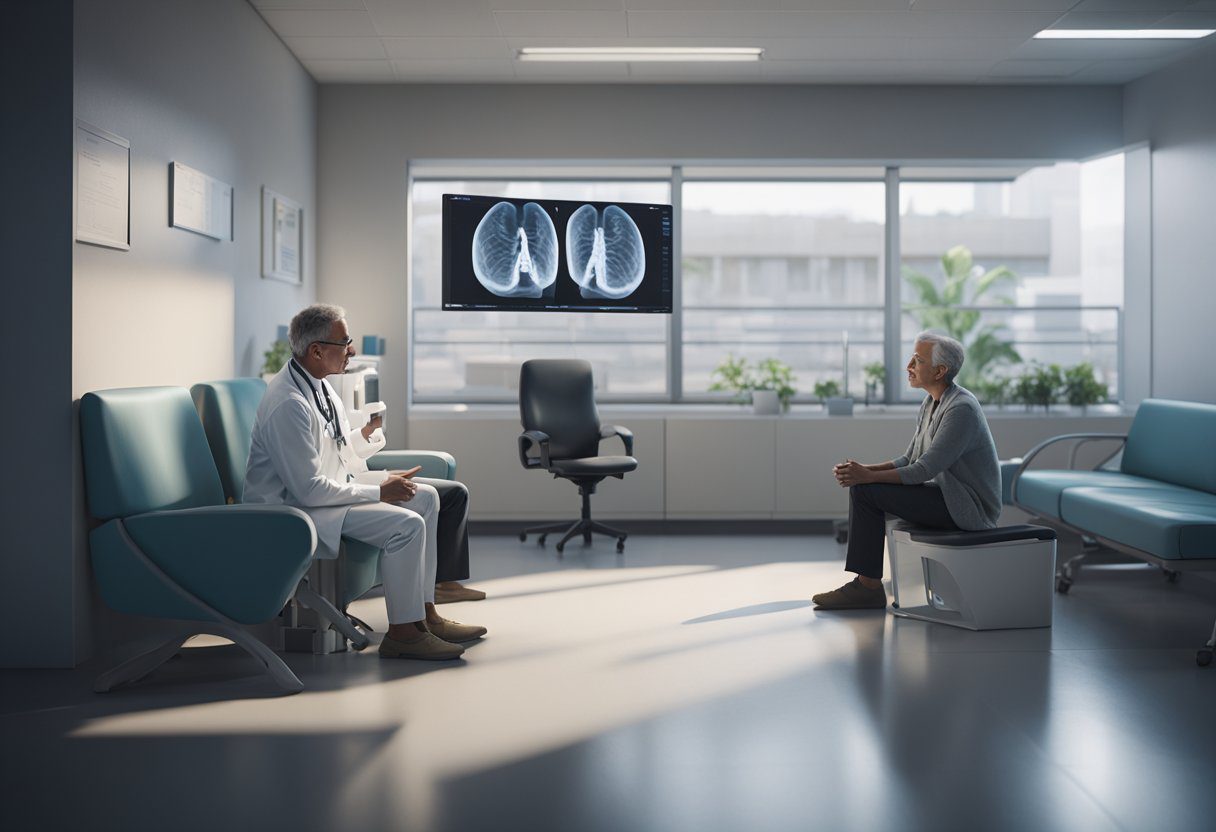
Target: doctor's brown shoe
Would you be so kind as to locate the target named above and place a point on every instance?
(456, 632)
(851, 596)
(428, 647)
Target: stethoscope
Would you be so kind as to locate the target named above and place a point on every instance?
(328, 411)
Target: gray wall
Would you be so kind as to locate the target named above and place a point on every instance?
(368, 134)
(36, 566)
(206, 84)
(1174, 110)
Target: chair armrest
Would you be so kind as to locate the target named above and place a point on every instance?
(438, 465)
(607, 431)
(1037, 449)
(526, 440)
(242, 560)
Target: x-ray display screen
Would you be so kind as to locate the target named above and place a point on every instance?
(555, 255)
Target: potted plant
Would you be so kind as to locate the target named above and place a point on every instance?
(769, 385)
(1081, 388)
(275, 358)
(993, 390)
(875, 374)
(828, 392)
(1039, 385)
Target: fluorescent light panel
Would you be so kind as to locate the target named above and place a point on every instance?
(638, 54)
(1123, 34)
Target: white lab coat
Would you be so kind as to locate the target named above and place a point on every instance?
(293, 461)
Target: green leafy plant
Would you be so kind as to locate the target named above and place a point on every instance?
(965, 285)
(276, 357)
(993, 390)
(735, 375)
(1040, 384)
(828, 389)
(1081, 387)
(875, 374)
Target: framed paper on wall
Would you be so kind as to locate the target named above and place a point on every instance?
(282, 238)
(103, 188)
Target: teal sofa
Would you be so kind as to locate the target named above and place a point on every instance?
(1157, 504)
(227, 410)
(164, 545)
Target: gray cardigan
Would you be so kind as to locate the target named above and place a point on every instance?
(954, 451)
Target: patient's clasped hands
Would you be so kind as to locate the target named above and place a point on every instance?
(851, 472)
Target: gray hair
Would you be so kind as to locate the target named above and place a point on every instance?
(311, 325)
(947, 352)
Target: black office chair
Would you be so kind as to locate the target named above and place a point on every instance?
(562, 433)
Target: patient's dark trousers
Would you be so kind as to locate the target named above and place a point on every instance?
(922, 505)
(452, 542)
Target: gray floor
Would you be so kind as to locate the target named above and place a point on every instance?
(688, 686)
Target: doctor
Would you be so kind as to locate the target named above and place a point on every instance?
(304, 454)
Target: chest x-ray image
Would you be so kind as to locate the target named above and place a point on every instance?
(604, 253)
(515, 251)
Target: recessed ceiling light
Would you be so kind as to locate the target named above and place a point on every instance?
(1124, 34)
(697, 54)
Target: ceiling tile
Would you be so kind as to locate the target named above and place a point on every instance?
(959, 49)
(1107, 20)
(1058, 6)
(588, 24)
(336, 48)
(1190, 20)
(841, 24)
(444, 18)
(574, 72)
(427, 48)
(317, 23)
(875, 71)
(454, 70)
(1117, 72)
(1162, 6)
(351, 72)
(561, 5)
(692, 72)
(1037, 69)
(309, 4)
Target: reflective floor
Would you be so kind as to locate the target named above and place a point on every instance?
(687, 686)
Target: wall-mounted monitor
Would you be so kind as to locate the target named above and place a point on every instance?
(549, 255)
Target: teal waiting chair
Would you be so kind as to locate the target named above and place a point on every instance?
(167, 547)
(227, 409)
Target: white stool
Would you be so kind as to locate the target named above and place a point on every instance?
(987, 580)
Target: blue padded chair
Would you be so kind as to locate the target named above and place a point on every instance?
(228, 409)
(168, 547)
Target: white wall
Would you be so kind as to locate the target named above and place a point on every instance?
(368, 134)
(208, 85)
(1174, 110)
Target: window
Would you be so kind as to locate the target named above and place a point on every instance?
(791, 263)
(782, 270)
(1025, 270)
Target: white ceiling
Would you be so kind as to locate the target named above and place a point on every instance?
(805, 41)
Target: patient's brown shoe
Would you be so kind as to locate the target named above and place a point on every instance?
(460, 592)
(428, 647)
(851, 596)
(455, 632)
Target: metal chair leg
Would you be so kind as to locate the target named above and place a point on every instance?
(323, 607)
(137, 667)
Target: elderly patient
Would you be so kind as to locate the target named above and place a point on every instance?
(949, 478)
(304, 454)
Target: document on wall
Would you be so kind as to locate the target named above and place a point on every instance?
(103, 187)
(199, 202)
(286, 238)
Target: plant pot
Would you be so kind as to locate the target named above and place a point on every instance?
(839, 405)
(765, 402)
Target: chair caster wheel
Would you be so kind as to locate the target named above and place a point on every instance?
(560, 547)
(359, 646)
(1204, 657)
(541, 541)
(1171, 575)
(842, 537)
(1063, 585)
(620, 544)
(523, 536)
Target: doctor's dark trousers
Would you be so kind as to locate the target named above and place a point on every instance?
(869, 504)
